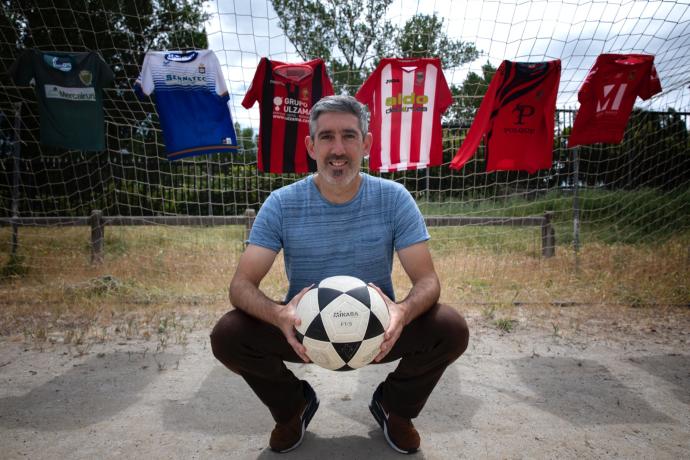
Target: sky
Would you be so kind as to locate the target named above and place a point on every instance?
(576, 32)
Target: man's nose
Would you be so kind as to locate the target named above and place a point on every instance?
(338, 145)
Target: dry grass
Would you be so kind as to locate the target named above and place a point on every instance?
(165, 281)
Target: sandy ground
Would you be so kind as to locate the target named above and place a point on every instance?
(565, 383)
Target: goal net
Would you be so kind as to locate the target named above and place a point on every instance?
(619, 212)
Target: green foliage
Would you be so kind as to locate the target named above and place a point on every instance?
(345, 34)
(353, 35)
(639, 216)
(423, 36)
(505, 324)
(469, 96)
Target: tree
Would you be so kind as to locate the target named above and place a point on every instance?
(247, 141)
(122, 32)
(469, 96)
(423, 36)
(353, 35)
(345, 34)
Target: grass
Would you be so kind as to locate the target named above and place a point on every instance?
(162, 282)
(639, 216)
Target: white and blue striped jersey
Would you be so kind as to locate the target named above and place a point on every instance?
(192, 101)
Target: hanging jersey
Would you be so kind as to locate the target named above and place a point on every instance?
(608, 94)
(286, 93)
(516, 117)
(192, 101)
(69, 88)
(406, 98)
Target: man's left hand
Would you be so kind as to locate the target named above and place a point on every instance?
(395, 326)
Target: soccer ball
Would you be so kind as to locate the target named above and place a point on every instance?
(343, 321)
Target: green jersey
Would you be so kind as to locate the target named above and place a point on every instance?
(69, 89)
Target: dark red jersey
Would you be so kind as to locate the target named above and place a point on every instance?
(608, 94)
(286, 93)
(516, 118)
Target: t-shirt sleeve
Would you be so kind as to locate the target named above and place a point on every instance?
(481, 122)
(143, 86)
(409, 223)
(326, 82)
(221, 87)
(22, 70)
(651, 85)
(254, 91)
(586, 93)
(366, 92)
(105, 73)
(267, 228)
(445, 96)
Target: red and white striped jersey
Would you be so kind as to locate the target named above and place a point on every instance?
(406, 98)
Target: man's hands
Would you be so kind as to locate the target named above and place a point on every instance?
(398, 321)
(287, 321)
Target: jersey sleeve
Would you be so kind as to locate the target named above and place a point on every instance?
(365, 93)
(254, 91)
(267, 228)
(105, 74)
(480, 123)
(409, 225)
(22, 70)
(651, 84)
(445, 96)
(586, 94)
(221, 88)
(326, 82)
(143, 86)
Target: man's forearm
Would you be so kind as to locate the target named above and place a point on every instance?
(423, 295)
(245, 296)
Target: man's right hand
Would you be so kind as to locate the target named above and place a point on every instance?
(287, 321)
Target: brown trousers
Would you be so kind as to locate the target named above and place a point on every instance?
(257, 350)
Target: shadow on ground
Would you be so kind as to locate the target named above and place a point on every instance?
(224, 404)
(582, 392)
(673, 368)
(88, 393)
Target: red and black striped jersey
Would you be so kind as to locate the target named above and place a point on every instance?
(608, 94)
(517, 115)
(406, 98)
(286, 93)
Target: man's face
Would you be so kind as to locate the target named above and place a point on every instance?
(338, 147)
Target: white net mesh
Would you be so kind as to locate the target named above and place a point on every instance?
(632, 199)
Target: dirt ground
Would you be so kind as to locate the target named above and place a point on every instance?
(565, 382)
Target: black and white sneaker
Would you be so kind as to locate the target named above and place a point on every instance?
(399, 431)
(288, 436)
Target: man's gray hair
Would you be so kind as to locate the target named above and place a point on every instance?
(340, 104)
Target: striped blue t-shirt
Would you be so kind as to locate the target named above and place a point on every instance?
(321, 239)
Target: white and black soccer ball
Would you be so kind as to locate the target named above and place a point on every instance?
(343, 321)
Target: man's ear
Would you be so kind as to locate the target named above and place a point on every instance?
(310, 146)
(368, 140)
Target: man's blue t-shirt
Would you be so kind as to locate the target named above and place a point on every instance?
(321, 239)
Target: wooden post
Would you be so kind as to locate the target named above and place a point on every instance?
(97, 236)
(548, 236)
(250, 215)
